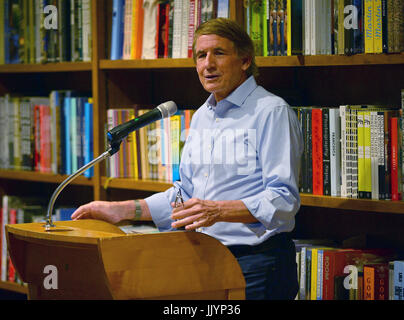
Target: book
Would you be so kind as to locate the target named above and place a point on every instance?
(335, 152)
(376, 284)
(117, 29)
(317, 153)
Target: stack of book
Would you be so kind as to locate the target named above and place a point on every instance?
(41, 31)
(321, 27)
(159, 29)
(329, 272)
(154, 151)
(352, 152)
(46, 134)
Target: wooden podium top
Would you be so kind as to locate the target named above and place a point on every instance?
(80, 231)
(97, 260)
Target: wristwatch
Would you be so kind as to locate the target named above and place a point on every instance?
(138, 210)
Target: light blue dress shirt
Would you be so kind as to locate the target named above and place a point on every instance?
(245, 147)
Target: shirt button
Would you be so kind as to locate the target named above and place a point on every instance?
(206, 175)
(217, 119)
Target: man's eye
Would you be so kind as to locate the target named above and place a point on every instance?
(201, 55)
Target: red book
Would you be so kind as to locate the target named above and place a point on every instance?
(11, 269)
(334, 262)
(45, 143)
(394, 156)
(376, 281)
(317, 150)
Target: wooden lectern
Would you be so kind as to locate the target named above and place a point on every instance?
(93, 259)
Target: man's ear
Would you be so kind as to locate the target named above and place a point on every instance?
(246, 62)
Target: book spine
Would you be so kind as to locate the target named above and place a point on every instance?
(366, 151)
(395, 194)
(117, 30)
(369, 26)
(317, 155)
(88, 134)
(377, 26)
(326, 152)
(361, 156)
(374, 161)
(335, 152)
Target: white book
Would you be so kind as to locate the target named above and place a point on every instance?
(87, 34)
(184, 29)
(344, 173)
(177, 26)
(3, 239)
(335, 152)
(374, 146)
(127, 34)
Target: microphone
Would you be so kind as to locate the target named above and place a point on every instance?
(120, 132)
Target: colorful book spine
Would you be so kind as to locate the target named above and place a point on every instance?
(317, 147)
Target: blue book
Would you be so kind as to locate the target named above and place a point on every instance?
(398, 280)
(67, 144)
(64, 214)
(73, 133)
(80, 131)
(88, 137)
(117, 32)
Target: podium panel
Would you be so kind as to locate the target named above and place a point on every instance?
(92, 259)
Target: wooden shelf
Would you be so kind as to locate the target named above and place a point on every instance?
(42, 177)
(147, 64)
(306, 199)
(283, 61)
(132, 184)
(353, 204)
(47, 67)
(15, 287)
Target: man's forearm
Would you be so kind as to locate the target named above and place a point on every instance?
(129, 209)
(235, 211)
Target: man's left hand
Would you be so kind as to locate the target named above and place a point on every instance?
(196, 213)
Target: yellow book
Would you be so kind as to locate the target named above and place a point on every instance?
(368, 26)
(341, 29)
(367, 159)
(377, 26)
(361, 156)
(175, 128)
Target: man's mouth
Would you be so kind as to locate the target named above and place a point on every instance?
(211, 76)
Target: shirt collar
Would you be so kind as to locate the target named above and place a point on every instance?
(237, 97)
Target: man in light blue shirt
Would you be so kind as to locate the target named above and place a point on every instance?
(238, 171)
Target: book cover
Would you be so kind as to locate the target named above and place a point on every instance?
(377, 26)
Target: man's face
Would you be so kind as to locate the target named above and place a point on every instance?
(219, 67)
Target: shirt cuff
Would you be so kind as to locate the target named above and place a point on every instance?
(257, 227)
(160, 210)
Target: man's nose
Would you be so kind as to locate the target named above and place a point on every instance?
(210, 60)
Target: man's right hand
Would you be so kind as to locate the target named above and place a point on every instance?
(109, 211)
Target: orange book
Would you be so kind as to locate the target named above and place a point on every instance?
(137, 29)
(376, 281)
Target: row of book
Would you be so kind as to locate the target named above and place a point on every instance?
(327, 271)
(154, 151)
(324, 27)
(41, 31)
(51, 134)
(143, 29)
(15, 209)
(352, 152)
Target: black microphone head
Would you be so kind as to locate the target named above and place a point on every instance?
(167, 109)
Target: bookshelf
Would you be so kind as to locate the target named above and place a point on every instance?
(301, 80)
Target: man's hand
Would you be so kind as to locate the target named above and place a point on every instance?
(196, 213)
(112, 212)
